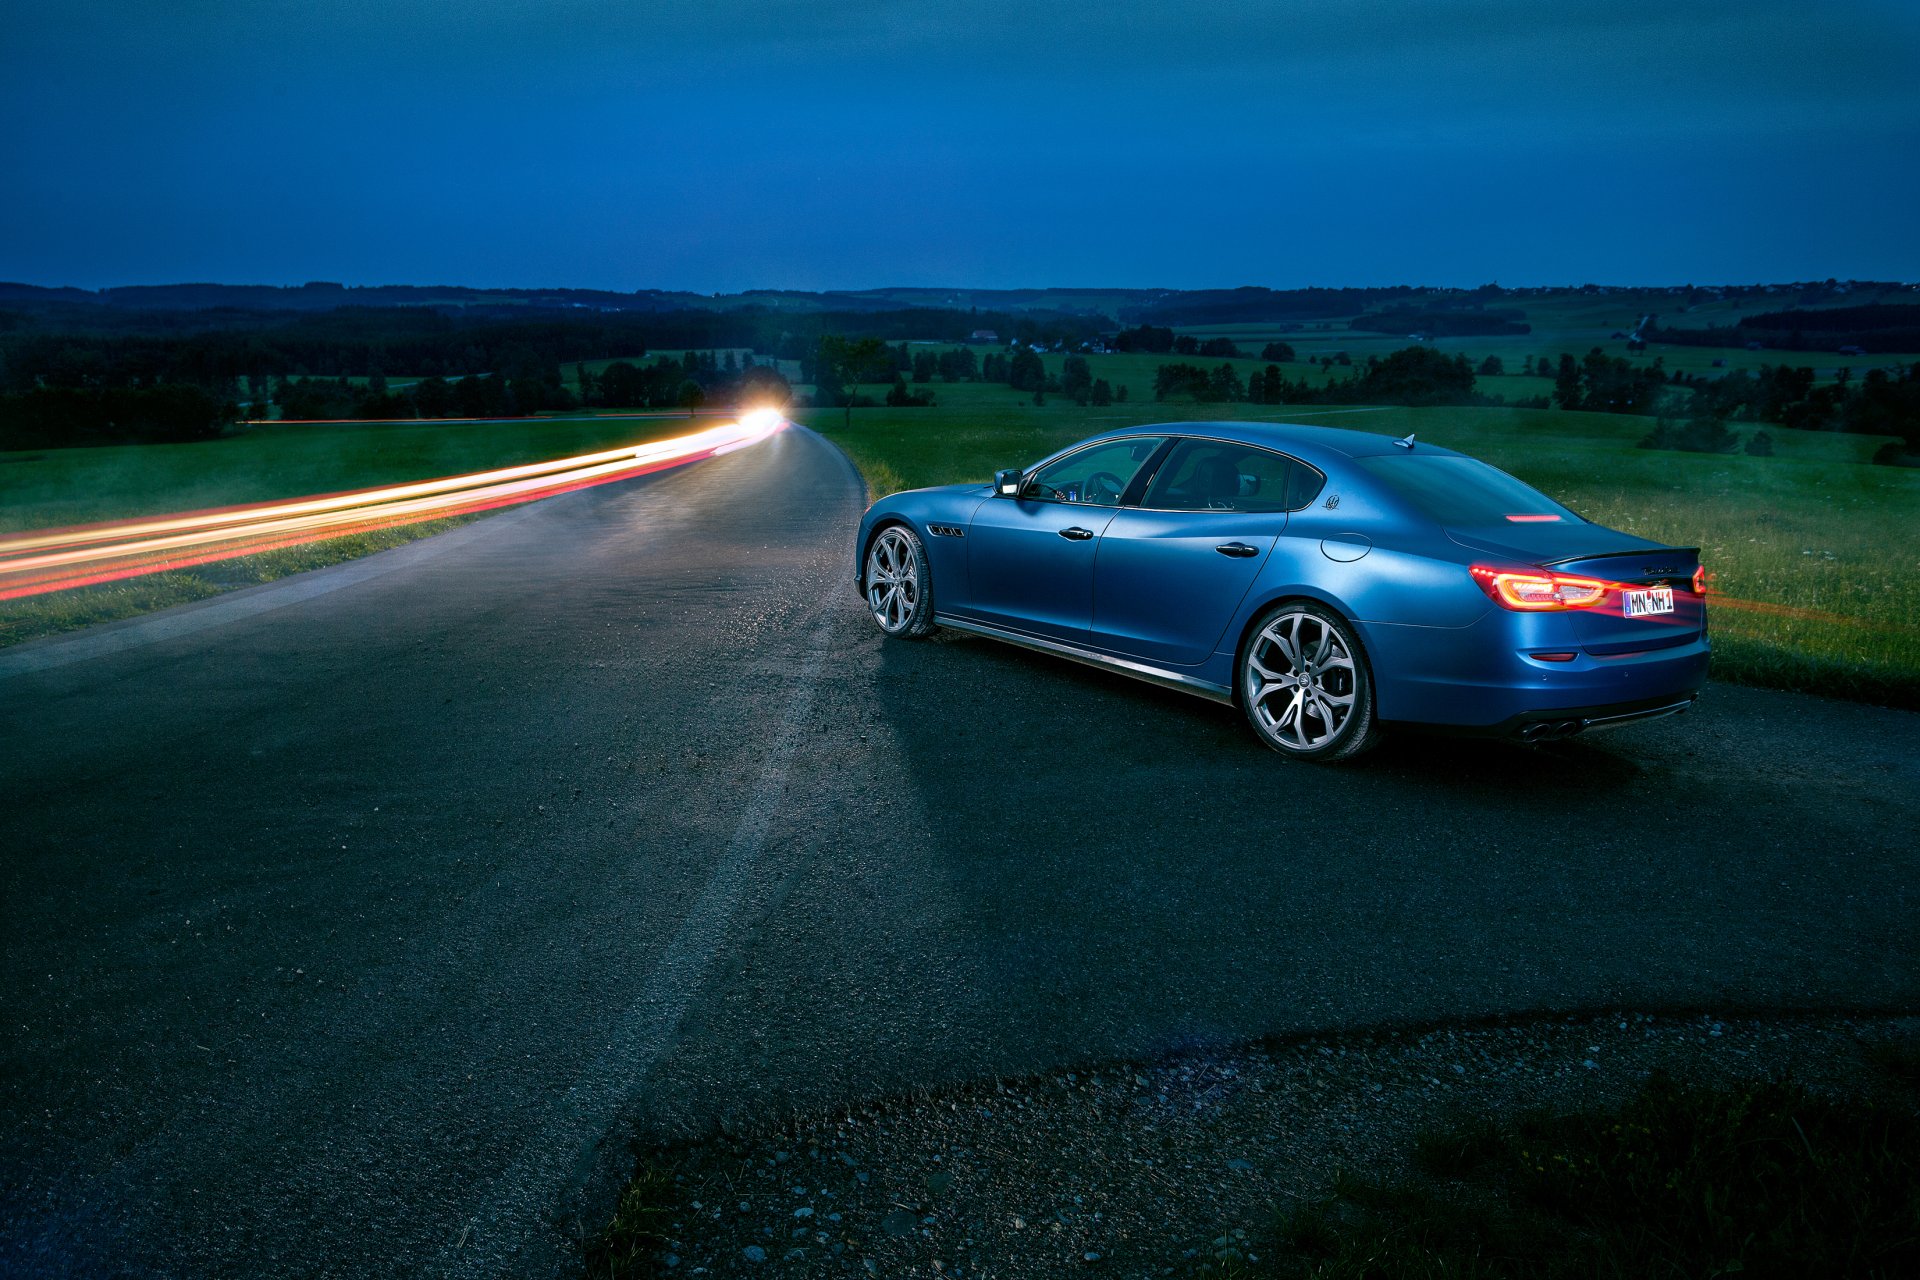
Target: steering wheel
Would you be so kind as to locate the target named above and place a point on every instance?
(1106, 480)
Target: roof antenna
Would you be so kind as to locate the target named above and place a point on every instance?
(1407, 443)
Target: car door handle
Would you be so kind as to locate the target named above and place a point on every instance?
(1076, 534)
(1237, 549)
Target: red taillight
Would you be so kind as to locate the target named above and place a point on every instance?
(1700, 580)
(1535, 591)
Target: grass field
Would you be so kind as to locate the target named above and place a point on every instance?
(80, 486)
(1815, 552)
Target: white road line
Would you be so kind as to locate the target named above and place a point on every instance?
(558, 1157)
(185, 620)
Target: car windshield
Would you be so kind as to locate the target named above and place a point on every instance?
(1464, 491)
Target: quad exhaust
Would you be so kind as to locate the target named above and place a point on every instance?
(1554, 730)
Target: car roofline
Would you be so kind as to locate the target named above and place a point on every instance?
(1309, 443)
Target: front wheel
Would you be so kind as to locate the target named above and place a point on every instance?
(899, 583)
(1305, 687)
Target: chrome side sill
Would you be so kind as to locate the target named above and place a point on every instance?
(1073, 653)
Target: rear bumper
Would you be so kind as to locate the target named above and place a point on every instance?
(1484, 679)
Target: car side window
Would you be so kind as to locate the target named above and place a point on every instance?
(1218, 475)
(1096, 476)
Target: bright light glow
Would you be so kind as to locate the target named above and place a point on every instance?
(1539, 590)
(1543, 518)
(768, 420)
(1700, 580)
(56, 559)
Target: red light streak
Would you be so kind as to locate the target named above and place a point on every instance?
(47, 560)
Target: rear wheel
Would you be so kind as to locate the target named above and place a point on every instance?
(1304, 685)
(899, 583)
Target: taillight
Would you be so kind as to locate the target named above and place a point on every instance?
(1535, 591)
(1700, 580)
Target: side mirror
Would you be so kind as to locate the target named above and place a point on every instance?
(1007, 483)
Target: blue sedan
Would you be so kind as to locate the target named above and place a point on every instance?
(1326, 582)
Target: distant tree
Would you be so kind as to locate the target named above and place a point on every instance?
(1566, 384)
(1218, 347)
(1273, 386)
(958, 365)
(1102, 394)
(1277, 352)
(1179, 379)
(1186, 345)
(924, 364)
(1026, 371)
(1760, 444)
(842, 364)
(1076, 379)
(1146, 337)
(1120, 394)
(1223, 386)
(1492, 367)
(692, 396)
(433, 398)
(1040, 397)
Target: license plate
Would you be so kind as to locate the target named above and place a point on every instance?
(1640, 604)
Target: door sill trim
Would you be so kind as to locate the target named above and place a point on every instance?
(1074, 653)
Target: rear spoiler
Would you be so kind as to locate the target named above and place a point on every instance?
(1649, 554)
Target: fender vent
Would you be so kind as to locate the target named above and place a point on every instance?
(946, 531)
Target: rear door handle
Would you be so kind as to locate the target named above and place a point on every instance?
(1077, 534)
(1237, 549)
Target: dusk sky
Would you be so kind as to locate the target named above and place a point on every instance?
(812, 144)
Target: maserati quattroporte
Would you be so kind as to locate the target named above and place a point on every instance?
(1326, 582)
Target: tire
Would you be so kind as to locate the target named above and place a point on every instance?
(899, 583)
(1303, 682)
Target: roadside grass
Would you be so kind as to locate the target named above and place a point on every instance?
(1681, 1180)
(630, 1244)
(56, 487)
(1815, 552)
(31, 617)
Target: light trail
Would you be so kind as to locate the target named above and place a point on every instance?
(58, 559)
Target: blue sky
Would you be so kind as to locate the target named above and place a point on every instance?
(842, 144)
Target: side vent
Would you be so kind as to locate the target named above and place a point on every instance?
(946, 531)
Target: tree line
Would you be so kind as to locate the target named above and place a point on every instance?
(220, 353)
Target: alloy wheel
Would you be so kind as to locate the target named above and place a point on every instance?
(893, 581)
(1300, 682)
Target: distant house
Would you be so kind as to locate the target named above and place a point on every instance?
(983, 335)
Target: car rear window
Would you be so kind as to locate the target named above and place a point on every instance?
(1464, 492)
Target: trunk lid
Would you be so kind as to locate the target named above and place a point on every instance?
(1650, 575)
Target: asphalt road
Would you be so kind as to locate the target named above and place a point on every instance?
(355, 924)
